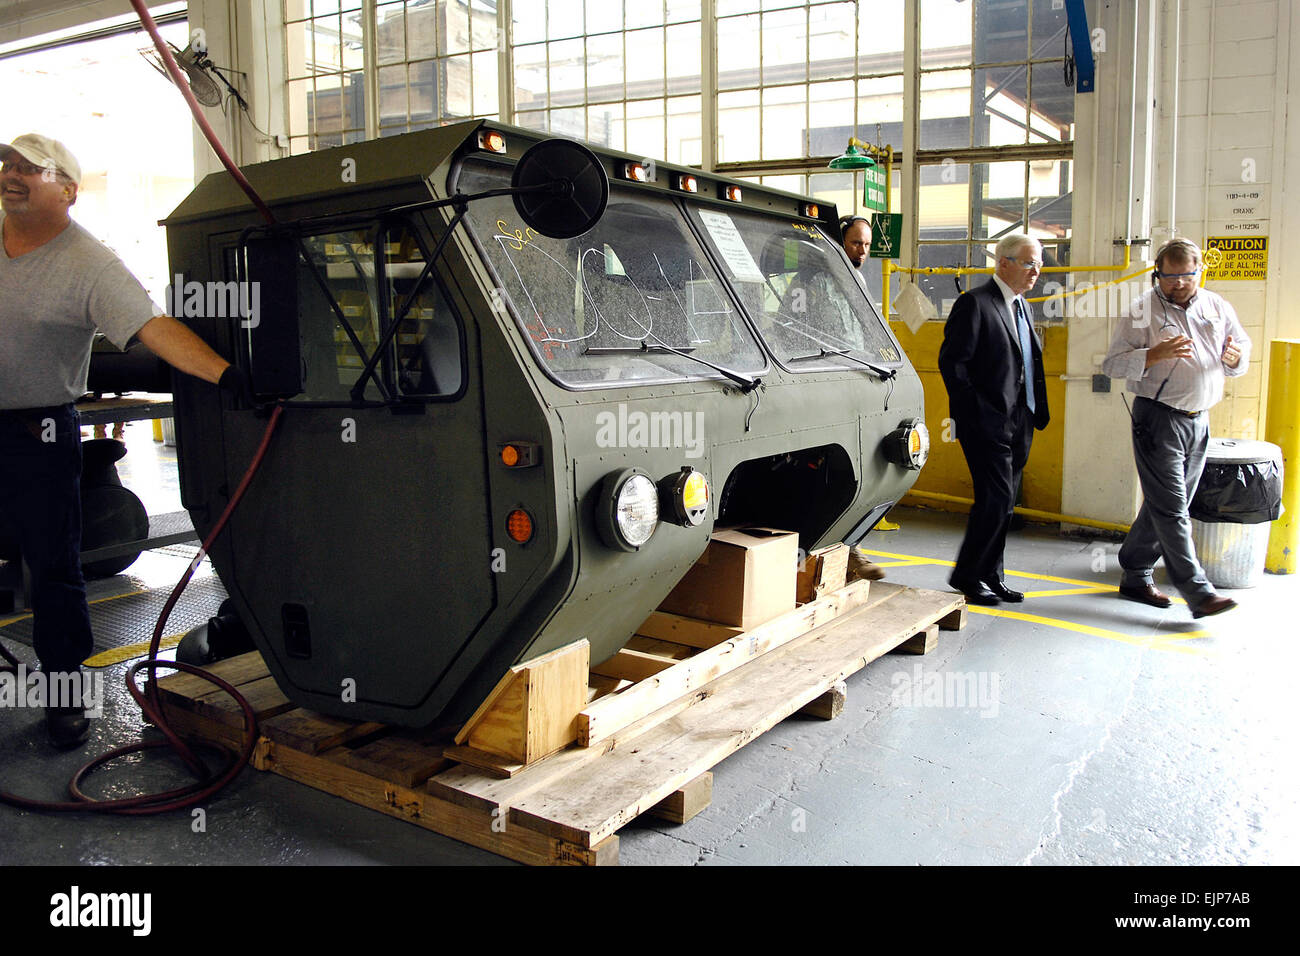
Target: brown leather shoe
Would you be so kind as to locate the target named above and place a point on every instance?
(860, 566)
(1214, 604)
(1146, 594)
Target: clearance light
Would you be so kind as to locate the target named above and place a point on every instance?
(908, 445)
(519, 525)
(520, 454)
(627, 509)
(492, 141)
(636, 172)
(688, 184)
(732, 193)
(686, 497)
(811, 210)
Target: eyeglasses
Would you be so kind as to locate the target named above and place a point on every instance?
(1179, 275)
(25, 168)
(1026, 263)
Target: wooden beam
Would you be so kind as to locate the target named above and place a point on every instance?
(829, 705)
(922, 642)
(689, 801)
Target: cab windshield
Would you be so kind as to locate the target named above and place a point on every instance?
(605, 307)
(807, 300)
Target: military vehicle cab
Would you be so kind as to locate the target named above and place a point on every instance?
(523, 382)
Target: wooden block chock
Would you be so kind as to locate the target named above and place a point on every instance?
(532, 712)
(954, 620)
(923, 642)
(829, 705)
(692, 799)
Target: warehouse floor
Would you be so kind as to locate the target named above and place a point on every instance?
(1076, 728)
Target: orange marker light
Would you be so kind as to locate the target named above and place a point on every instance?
(636, 172)
(732, 193)
(519, 525)
(492, 141)
(688, 184)
(812, 210)
(510, 456)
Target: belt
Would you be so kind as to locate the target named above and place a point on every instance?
(26, 415)
(1170, 408)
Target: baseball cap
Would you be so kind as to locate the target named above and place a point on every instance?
(44, 151)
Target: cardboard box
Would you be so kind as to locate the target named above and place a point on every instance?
(823, 571)
(745, 577)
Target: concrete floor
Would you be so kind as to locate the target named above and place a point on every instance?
(1087, 730)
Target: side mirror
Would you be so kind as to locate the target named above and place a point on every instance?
(567, 188)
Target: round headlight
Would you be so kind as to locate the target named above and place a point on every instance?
(686, 497)
(908, 445)
(627, 510)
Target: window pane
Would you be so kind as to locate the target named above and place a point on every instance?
(880, 37)
(605, 67)
(738, 126)
(941, 289)
(605, 125)
(738, 52)
(529, 22)
(785, 46)
(1050, 187)
(604, 16)
(831, 30)
(570, 122)
(351, 53)
(566, 72)
(880, 101)
(684, 132)
(830, 117)
(1001, 112)
(485, 84)
(390, 40)
(1001, 31)
(563, 18)
(683, 58)
(680, 11)
(530, 76)
(393, 95)
(945, 110)
(645, 69)
(421, 32)
(784, 113)
(643, 13)
(998, 198)
(945, 33)
(456, 77)
(645, 128)
(945, 200)
(454, 29)
(484, 27)
(1051, 106)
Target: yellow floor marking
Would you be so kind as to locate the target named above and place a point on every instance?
(1159, 641)
(119, 654)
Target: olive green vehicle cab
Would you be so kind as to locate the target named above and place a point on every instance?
(507, 427)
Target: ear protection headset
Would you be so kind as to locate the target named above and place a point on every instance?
(847, 221)
(1176, 249)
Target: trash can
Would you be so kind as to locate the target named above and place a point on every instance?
(1239, 495)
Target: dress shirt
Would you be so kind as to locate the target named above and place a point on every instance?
(1194, 384)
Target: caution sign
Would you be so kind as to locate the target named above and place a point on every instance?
(1236, 257)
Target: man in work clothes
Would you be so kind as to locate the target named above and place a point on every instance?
(1175, 345)
(58, 284)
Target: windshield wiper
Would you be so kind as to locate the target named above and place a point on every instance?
(884, 373)
(747, 383)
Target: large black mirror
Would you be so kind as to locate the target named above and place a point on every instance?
(568, 188)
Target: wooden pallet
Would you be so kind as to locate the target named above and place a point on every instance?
(645, 734)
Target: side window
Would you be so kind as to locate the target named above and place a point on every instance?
(427, 347)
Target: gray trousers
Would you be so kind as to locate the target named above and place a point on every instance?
(1169, 449)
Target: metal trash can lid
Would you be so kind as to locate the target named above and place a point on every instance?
(1241, 451)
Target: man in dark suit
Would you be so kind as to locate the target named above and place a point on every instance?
(992, 366)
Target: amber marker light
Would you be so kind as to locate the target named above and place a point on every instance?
(492, 141)
(519, 525)
(688, 184)
(732, 193)
(636, 172)
(510, 456)
(811, 210)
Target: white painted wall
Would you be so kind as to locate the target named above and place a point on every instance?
(1234, 70)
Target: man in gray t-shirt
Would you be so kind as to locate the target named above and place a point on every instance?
(58, 284)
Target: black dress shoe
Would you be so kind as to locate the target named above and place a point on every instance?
(1004, 593)
(66, 727)
(1146, 594)
(975, 592)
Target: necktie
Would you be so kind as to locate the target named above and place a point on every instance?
(1026, 353)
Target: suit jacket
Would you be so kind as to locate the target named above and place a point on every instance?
(981, 365)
